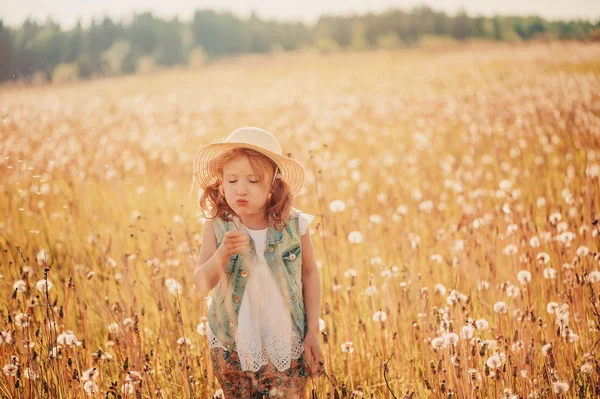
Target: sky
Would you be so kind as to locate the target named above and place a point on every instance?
(67, 12)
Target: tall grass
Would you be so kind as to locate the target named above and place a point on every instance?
(456, 195)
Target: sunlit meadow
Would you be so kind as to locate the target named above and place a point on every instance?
(455, 192)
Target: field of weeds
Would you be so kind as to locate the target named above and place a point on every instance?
(456, 196)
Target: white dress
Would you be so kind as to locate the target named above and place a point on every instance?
(266, 331)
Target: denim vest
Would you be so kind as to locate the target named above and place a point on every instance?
(284, 257)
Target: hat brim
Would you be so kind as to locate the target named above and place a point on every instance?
(205, 170)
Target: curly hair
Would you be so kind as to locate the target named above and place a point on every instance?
(213, 203)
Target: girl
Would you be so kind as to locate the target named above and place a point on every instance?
(263, 319)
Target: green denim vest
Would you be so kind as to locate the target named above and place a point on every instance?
(284, 257)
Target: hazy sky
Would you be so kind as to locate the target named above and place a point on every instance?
(66, 12)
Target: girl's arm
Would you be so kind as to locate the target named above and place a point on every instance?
(311, 284)
(211, 262)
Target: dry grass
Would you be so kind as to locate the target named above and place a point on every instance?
(469, 180)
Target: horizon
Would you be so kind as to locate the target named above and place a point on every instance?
(68, 12)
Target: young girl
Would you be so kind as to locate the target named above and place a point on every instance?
(263, 319)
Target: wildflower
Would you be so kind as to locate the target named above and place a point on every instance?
(482, 324)
(10, 370)
(201, 328)
(347, 347)
(560, 387)
(173, 286)
(546, 349)
(355, 237)
(543, 257)
(43, 286)
(555, 218)
(183, 341)
(321, 325)
(5, 337)
(68, 338)
(438, 343)
(42, 257)
(586, 368)
(89, 374)
(517, 314)
(436, 258)
(494, 362)
(500, 307)
(551, 307)
(513, 291)
(452, 298)
(549, 273)
(594, 276)
(439, 289)
(56, 352)
(22, 320)
(127, 388)
(510, 249)
(375, 219)
(524, 277)
(90, 387)
(483, 285)
(466, 332)
(350, 273)
(218, 394)
(583, 251)
(571, 336)
(523, 373)
(134, 376)
(450, 339)
(534, 242)
(30, 374)
(20, 286)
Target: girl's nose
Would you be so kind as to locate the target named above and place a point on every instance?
(241, 189)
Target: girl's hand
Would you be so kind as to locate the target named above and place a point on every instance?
(313, 355)
(233, 243)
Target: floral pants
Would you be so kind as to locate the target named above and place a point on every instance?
(268, 381)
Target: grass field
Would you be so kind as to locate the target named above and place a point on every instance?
(456, 195)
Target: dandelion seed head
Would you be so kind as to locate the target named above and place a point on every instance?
(560, 387)
(524, 277)
(500, 307)
(347, 347)
(493, 362)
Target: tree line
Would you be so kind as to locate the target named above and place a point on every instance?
(44, 51)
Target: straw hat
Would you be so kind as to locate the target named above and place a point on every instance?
(205, 169)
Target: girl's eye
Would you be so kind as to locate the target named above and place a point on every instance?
(235, 181)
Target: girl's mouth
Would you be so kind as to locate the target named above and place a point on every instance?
(241, 202)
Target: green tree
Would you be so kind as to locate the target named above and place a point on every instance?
(6, 53)
(462, 26)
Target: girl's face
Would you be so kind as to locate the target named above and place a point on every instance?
(245, 192)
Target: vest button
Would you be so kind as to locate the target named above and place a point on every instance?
(292, 256)
(270, 249)
(231, 323)
(236, 298)
(243, 273)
